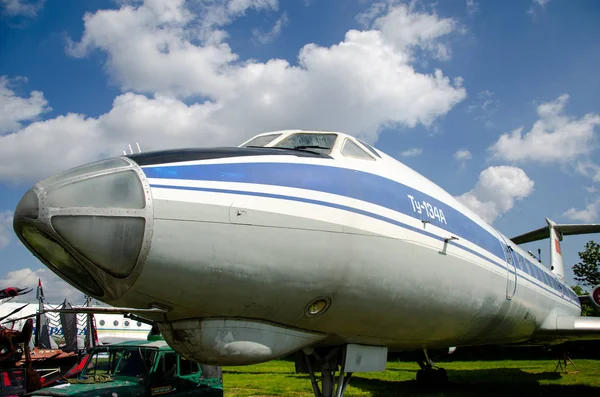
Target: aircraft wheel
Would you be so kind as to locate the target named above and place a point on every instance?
(432, 377)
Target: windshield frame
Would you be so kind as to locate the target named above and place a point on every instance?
(91, 367)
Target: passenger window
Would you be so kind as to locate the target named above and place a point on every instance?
(167, 366)
(187, 367)
(539, 274)
(526, 266)
(351, 149)
(518, 262)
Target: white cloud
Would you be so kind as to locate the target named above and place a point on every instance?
(151, 51)
(591, 189)
(536, 4)
(55, 289)
(472, 7)
(589, 169)
(416, 151)
(21, 7)
(555, 137)
(407, 28)
(496, 191)
(15, 109)
(483, 106)
(267, 37)
(541, 3)
(589, 214)
(216, 14)
(6, 219)
(357, 86)
(463, 155)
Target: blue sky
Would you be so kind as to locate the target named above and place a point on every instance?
(81, 81)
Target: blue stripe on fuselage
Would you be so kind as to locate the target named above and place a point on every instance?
(340, 181)
(349, 183)
(532, 279)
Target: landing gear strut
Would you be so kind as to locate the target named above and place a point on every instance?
(326, 362)
(430, 374)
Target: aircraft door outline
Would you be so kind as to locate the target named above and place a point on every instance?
(511, 279)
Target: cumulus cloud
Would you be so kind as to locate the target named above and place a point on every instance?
(472, 7)
(15, 109)
(462, 155)
(588, 214)
(496, 191)
(412, 152)
(6, 219)
(359, 85)
(21, 7)
(55, 289)
(407, 29)
(267, 37)
(555, 137)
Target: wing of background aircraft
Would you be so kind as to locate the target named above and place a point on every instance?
(106, 310)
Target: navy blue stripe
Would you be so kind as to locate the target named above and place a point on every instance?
(332, 205)
(354, 210)
(358, 185)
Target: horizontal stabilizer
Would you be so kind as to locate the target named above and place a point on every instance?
(563, 230)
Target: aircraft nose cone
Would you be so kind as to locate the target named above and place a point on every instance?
(90, 225)
(28, 207)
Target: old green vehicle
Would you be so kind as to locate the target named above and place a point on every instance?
(139, 368)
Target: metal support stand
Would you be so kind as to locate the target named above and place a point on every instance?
(565, 360)
(430, 374)
(329, 365)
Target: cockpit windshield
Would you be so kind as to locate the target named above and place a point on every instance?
(315, 142)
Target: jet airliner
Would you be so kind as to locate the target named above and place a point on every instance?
(307, 242)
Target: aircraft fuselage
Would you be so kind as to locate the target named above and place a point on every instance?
(244, 246)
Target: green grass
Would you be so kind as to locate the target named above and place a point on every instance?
(473, 378)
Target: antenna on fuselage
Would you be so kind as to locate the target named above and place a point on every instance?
(131, 149)
(540, 255)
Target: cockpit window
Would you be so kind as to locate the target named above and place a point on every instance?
(315, 142)
(351, 149)
(371, 148)
(261, 140)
